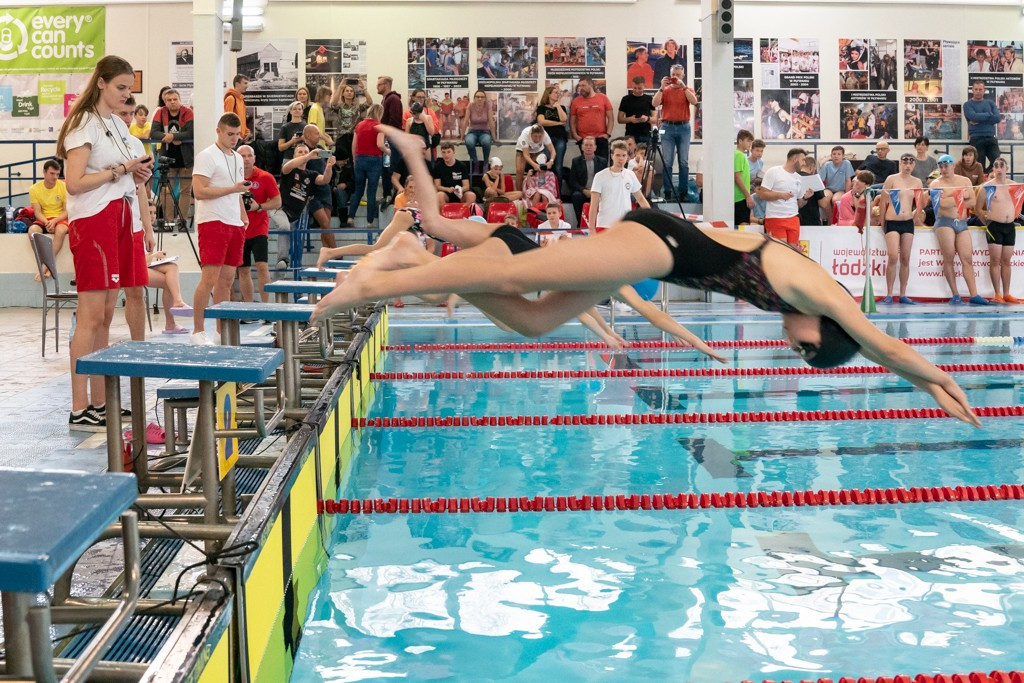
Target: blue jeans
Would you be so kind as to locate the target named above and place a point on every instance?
(676, 138)
(368, 170)
(481, 138)
(559, 144)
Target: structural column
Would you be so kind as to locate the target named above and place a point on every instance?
(208, 97)
(719, 139)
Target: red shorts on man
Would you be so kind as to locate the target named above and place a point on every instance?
(221, 244)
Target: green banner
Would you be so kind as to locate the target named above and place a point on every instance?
(54, 39)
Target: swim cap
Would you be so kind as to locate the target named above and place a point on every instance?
(945, 159)
(478, 219)
(836, 347)
(495, 161)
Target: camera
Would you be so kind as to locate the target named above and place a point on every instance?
(163, 163)
(248, 200)
(416, 108)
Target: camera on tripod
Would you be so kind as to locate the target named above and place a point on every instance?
(654, 135)
(164, 163)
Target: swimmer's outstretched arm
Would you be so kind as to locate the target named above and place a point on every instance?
(400, 223)
(664, 322)
(875, 345)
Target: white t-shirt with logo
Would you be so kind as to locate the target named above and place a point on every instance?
(221, 170)
(106, 138)
(525, 142)
(616, 195)
(778, 179)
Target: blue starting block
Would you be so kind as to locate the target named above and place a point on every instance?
(339, 264)
(49, 520)
(325, 274)
(282, 289)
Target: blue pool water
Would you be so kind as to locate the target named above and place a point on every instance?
(701, 595)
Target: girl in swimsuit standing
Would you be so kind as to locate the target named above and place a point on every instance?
(822, 322)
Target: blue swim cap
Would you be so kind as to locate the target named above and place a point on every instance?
(945, 159)
(478, 219)
(647, 289)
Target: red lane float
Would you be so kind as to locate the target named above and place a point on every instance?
(973, 677)
(676, 418)
(677, 501)
(600, 346)
(681, 372)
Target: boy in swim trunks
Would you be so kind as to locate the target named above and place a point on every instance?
(956, 198)
(898, 222)
(996, 207)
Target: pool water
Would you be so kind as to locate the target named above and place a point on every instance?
(700, 595)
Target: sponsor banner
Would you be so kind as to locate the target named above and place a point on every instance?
(54, 39)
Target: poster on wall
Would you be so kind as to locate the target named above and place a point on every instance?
(334, 63)
(867, 89)
(44, 69)
(999, 65)
(653, 58)
(513, 112)
(743, 86)
(507, 64)
(790, 89)
(441, 66)
(570, 57)
(273, 72)
(180, 69)
(931, 89)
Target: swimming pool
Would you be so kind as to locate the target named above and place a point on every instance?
(690, 594)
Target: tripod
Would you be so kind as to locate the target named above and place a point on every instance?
(179, 223)
(654, 152)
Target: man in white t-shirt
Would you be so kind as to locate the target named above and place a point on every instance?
(218, 181)
(781, 189)
(613, 190)
(533, 141)
(134, 297)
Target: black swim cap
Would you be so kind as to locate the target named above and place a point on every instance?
(837, 346)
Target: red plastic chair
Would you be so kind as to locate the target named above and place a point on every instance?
(497, 211)
(454, 210)
(510, 183)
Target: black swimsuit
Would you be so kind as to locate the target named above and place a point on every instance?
(514, 239)
(702, 263)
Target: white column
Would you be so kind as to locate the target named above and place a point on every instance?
(719, 140)
(208, 97)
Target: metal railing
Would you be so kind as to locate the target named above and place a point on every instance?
(25, 171)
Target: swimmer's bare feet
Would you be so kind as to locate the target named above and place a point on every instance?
(451, 304)
(404, 251)
(323, 258)
(352, 290)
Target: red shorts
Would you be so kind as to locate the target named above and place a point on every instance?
(221, 244)
(786, 229)
(106, 253)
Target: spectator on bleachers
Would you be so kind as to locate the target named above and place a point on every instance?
(581, 175)
(407, 197)
(756, 160)
(297, 187)
(782, 190)
(552, 117)
(590, 114)
(924, 164)
(479, 126)
(291, 131)
(809, 209)
(642, 168)
(533, 141)
(558, 226)
(349, 111)
(421, 123)
(321, 204)
(419, 97)
(451, 177)
(743, 201)
(367, 151)
(853, 207)
(879, 164)
(391, 115)
(969, 166)
(613, 190)
(234, 101)
(140, 127)
(302, 95)
(541, 186)
(637, 111)
(318, 116)
(49, 204)
(264, 196)
(676, 100)
(837, 175)
(494, 183)
(173, 125)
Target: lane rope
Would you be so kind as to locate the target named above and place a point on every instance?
(721, 344)
(675, 418)
(684, 372)
(973, 677)
(668, 501)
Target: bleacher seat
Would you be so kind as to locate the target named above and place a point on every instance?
(454, 210)
(497, 211)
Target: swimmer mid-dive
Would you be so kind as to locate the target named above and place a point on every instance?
(820, 319)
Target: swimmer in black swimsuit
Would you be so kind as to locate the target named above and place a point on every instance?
(820, 319)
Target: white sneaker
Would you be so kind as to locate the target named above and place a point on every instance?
(200, 339)
(624, 309)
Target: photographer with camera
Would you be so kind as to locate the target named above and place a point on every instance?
(261, 197)
(321, 203)
(676, 99)
(420, 122)
(298, 183)
(218, 183)
(173, 126)
(532, 141)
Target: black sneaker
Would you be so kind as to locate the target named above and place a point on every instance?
(102, 411)
(87, 420)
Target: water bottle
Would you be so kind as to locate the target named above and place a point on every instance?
(387, 155)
